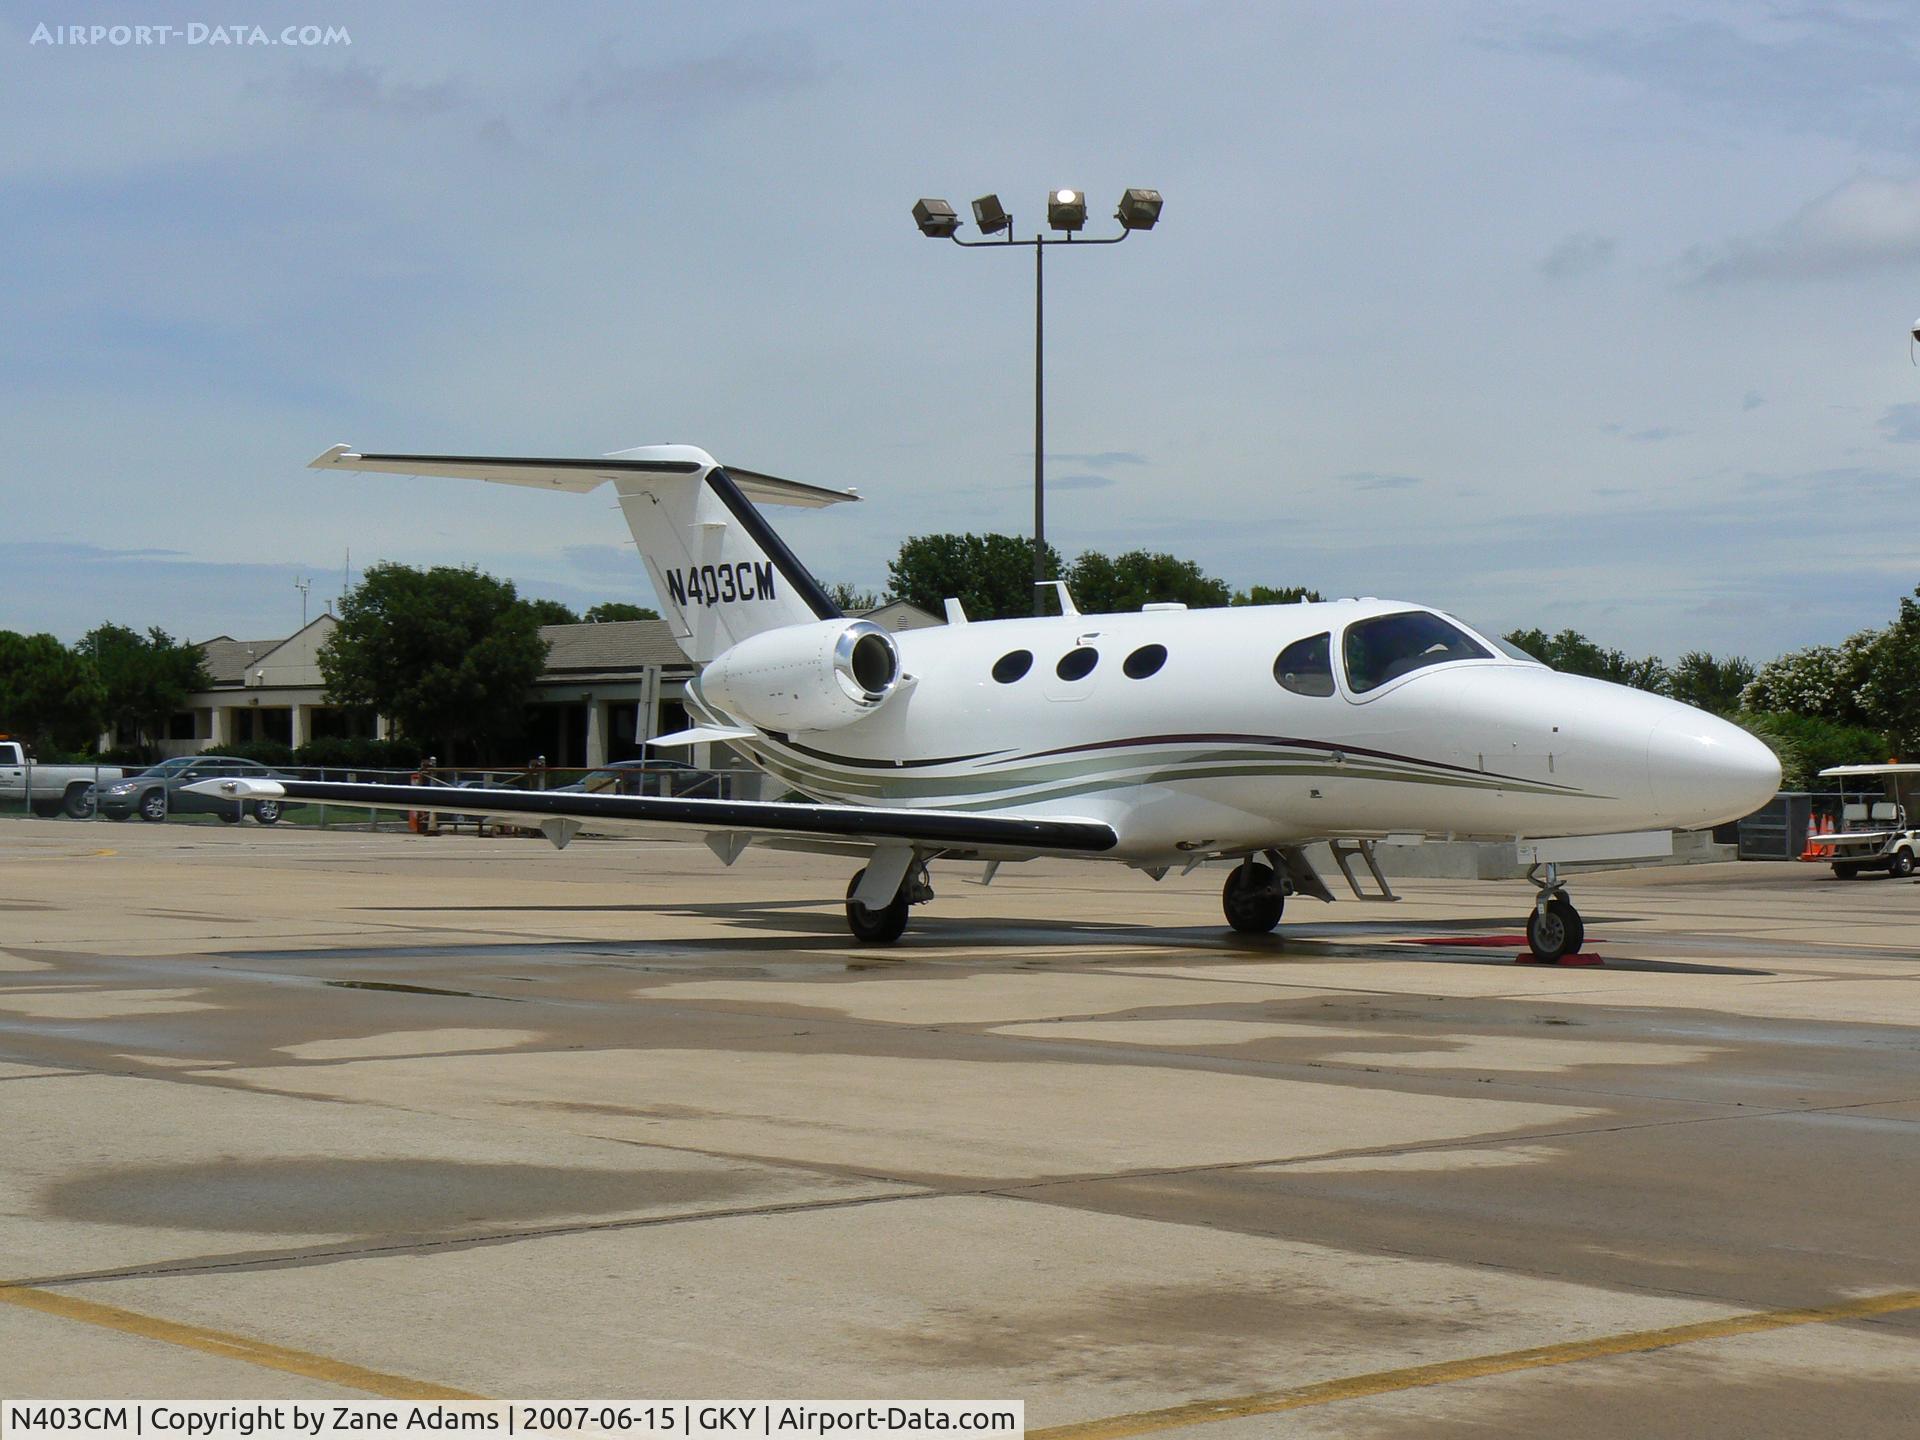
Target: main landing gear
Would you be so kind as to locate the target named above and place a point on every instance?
(1252, 897)
(1554, 929)
(883, 926)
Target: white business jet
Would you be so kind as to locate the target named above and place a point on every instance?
(1162, 740)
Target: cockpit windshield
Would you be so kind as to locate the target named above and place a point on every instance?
(1388, 646)
(1500, 642)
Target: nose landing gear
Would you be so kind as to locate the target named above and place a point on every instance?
(1554, 929)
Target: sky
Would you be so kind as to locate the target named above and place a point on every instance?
(1560, 316)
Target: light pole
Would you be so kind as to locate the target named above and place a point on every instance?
(1067, 213)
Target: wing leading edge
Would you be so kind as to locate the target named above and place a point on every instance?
(942, 829)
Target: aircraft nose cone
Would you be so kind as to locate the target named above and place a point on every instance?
(1705, 771)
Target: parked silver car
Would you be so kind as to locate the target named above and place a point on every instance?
(156, 793)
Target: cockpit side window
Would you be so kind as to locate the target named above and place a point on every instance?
(1306, 666)
(1389, 646)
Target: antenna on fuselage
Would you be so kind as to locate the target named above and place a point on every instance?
(1067, 607)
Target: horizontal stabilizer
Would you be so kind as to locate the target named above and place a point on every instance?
(580, 474)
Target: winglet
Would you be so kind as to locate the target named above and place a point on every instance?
(332, 456)
(236, 789)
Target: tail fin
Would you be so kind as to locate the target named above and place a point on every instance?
(719, 569)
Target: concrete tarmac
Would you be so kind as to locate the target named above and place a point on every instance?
(476, 1115)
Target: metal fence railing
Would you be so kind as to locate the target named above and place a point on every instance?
(159, 793)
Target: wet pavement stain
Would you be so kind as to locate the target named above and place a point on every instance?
(1197, 1337)
(363, 1197)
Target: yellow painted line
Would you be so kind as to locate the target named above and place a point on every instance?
(1384, 1382)
(228, 1347)
(106, 852)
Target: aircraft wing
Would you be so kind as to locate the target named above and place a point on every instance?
(561, 813)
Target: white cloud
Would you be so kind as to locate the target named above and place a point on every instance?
(1871, 222)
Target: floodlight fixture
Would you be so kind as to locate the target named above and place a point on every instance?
(1066, 213)
(935, 218)
(990, 215)
(1138, 209)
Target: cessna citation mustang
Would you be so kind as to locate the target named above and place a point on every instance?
(1164, 739)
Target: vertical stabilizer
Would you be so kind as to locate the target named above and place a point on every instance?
(720, 570)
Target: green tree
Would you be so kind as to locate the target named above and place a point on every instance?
(551, 612)
(1107, 585)
(1824, 681)
(144, 679)
(1711, 683)
(1889, 689)
(851, 597)
(1272, 595)
(991, 575)
(608, 611)
(447, 653)
(48, 693)
(1572, 653)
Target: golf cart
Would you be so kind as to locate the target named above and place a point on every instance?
(1876, 835)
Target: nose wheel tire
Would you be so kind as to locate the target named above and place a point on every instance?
(153, 806)
(1555, 931)
(876, 927)
(1251, 899)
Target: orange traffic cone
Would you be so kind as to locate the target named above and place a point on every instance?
(1814, 831)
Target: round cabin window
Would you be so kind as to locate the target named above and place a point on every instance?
(1011, 666)
(1077, 664)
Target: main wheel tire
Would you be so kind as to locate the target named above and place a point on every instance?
(227, 817)
(153, 806)
(1846, 872)
(267, 812)
(1555, 932)
(1901, 865)
(1252, 901)
(876, 927)
(80, 803)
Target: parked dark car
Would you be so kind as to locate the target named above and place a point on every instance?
(158, 792)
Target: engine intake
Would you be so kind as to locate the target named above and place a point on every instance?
(805, 677)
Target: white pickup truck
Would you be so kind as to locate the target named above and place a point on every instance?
(49, 789)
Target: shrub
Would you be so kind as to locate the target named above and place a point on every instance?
(1806, 745)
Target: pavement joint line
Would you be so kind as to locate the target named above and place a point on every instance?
(228, 1346)
(328, 1254)
(1385, 1382)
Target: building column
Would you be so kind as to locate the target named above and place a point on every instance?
(217, 727)
(596, 733)
(302, 725)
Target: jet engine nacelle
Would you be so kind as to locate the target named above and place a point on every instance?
(805, 677)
